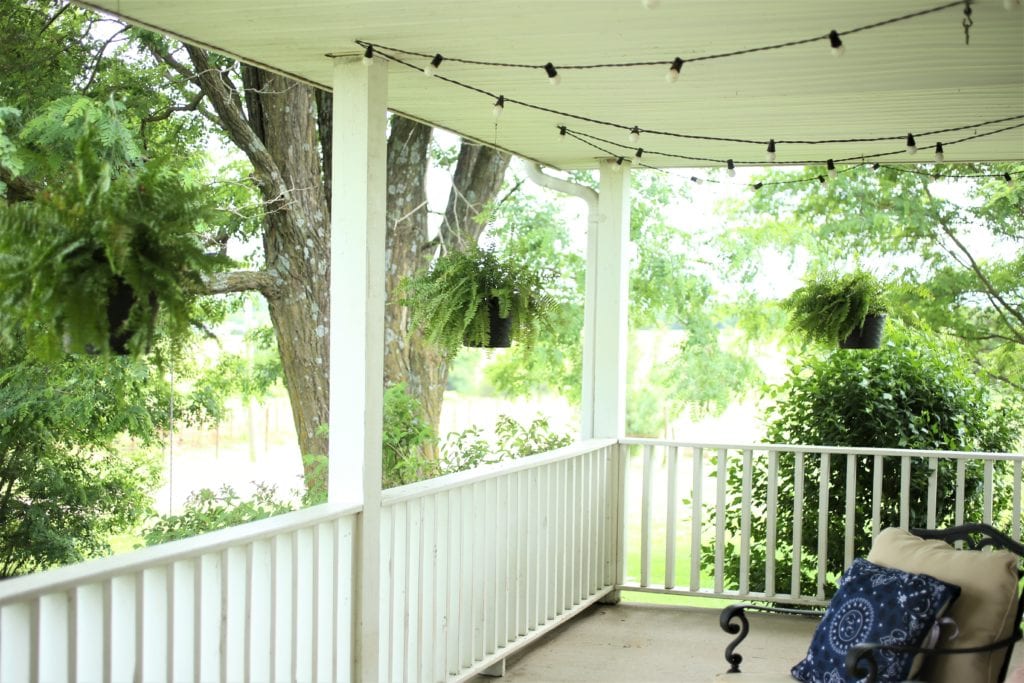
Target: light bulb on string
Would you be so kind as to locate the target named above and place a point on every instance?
(553, 77)
(940, 154)
(634, 135)
(431, 69)
(821, 179)
(368, 55)
(730, 168)
(875, 166)
(499, 106)
(563, 131)
(1008, 178)
(673, 71)
(771, 151)
(837, 44)
(695, 180)
(618, 164)
(911, 144)
(639, 153)
(831, 166)
(758, 185)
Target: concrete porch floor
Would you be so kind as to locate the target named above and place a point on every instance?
(641, 643)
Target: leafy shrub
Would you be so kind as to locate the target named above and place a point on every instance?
(915, 393)
(468, 449)
(406, 431)
(207, 510)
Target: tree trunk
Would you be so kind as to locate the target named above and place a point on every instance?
(477, 179)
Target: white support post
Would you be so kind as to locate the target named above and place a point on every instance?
(605, 316)
(359, 171)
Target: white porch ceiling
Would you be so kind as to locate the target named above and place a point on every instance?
(912, 76)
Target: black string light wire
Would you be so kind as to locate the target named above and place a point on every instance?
(589, 138)
(635, 130)
(832, 37)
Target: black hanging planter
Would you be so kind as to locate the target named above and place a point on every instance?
(868, 335)
(500, 336)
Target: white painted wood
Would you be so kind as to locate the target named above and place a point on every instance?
(324, 590)
(851, 510)
(1017, 483)
(259, 601)
(905, 493)
(235, 577)
(745, 505)
(933, 490)
(153, 619)
(696, 518)
(987, 495)
(876, 495)
(16, 635)
(51, 646)
(646, 504)
(720, 482)
(121, 596)
(606, 261)
(357, 306)
(824, 477)
(90, 643)
(344, 608)
(961, 476)
(670, 518)
(771, 528)
(798, 521)
(305, 571)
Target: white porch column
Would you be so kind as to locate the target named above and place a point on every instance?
(605, 316)
(359, 171)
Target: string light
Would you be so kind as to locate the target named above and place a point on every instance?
(730, 168)
(695, 180)
(758, 185)
(875, 166)
(553, 77)
(1008, 178)
(431, 69)
(771, 151)
(499, 106)
(831, 166)
(837, 44)
(673, 71)
(940, 154)
(562, 130)
(639, 153)
(911, 144)
(821, 179)
(634, 135)
(368, 55)
(833, 37)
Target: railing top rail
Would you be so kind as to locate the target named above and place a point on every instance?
(63, 578)
(840, 450)
(482, 473)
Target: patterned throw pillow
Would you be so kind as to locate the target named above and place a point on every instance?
(875, 605)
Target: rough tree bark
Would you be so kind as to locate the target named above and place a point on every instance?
(475, 183)
(283, 127)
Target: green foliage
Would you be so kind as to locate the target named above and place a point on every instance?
(954, 247)
(69, 480)
(101, 236)
(469, 448)
(829, 307)
(207, 510)
(449, 302)
(406, 431)
(917, 393)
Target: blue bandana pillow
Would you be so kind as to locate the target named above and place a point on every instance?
(876, 605)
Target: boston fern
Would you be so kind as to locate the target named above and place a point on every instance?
(830, 307)
(449, 302)
(104, 239)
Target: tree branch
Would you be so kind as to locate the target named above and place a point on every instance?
(267, 176)
(261, 281)
(55, 17)
(95, 68)
(18, 190)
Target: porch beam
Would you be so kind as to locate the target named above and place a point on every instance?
(357, 330)
(605, 317)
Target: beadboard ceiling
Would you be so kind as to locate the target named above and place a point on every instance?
(912, 76)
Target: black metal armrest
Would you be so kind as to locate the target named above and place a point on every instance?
(860, 660)
(733, 619)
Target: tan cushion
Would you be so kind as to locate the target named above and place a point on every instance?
(984, 612)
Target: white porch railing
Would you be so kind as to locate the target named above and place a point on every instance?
(478, 564)
(678, 497)
(266, 601)
(473, 565)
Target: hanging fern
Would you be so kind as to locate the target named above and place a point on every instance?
(104, 237)
(449, 302)
(830, 307)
